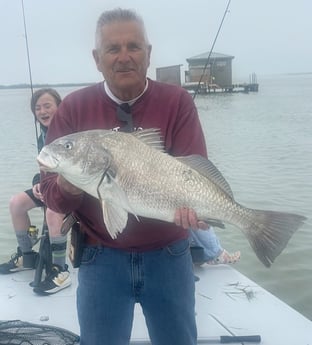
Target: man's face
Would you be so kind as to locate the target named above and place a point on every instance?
(123, 58)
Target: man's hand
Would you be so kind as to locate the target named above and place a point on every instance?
(67, 186)
(187, 219)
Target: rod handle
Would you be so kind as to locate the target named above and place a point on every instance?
(225, 339)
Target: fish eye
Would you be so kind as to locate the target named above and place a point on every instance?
(68, 145)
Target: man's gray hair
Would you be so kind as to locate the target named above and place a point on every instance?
(117, 15)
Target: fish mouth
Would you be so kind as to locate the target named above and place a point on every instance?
(43, 166)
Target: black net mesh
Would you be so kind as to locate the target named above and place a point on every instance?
(18, 332)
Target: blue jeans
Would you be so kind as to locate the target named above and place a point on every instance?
(208, 240)
(111, 281)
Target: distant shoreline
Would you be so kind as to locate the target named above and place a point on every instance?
(38, 86)
(298, 73)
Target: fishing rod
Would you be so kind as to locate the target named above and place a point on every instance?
(210, 52)
(29, 70)
(45, 252)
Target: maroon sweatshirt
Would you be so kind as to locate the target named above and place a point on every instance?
(167, 107)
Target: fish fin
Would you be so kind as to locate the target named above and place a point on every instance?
(206, 168)
(269, 232)
(151, 137)
(115, 214)
(115, 218)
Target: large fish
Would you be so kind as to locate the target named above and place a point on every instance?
(131, 173)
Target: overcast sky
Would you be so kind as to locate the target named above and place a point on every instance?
(265, 36)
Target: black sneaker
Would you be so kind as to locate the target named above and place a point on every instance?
(19, 262)
(56, 280)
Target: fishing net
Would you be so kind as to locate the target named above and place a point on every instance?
(18, 332)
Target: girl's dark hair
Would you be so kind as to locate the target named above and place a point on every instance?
(37, 94)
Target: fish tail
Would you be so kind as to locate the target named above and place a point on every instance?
(268, 232)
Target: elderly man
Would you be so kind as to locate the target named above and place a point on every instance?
(150, 262)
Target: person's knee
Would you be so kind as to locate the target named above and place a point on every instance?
(20, 203)
(14, 202)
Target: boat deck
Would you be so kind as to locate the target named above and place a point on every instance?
(227, 303)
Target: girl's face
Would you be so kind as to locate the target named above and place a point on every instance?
(45, 109)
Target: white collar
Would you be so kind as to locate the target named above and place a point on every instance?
(117, 100)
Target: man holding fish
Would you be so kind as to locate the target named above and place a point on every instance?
(150, 261)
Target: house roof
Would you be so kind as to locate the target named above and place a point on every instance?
(204, 56)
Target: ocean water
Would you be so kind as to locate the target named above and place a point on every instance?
(262, 143)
